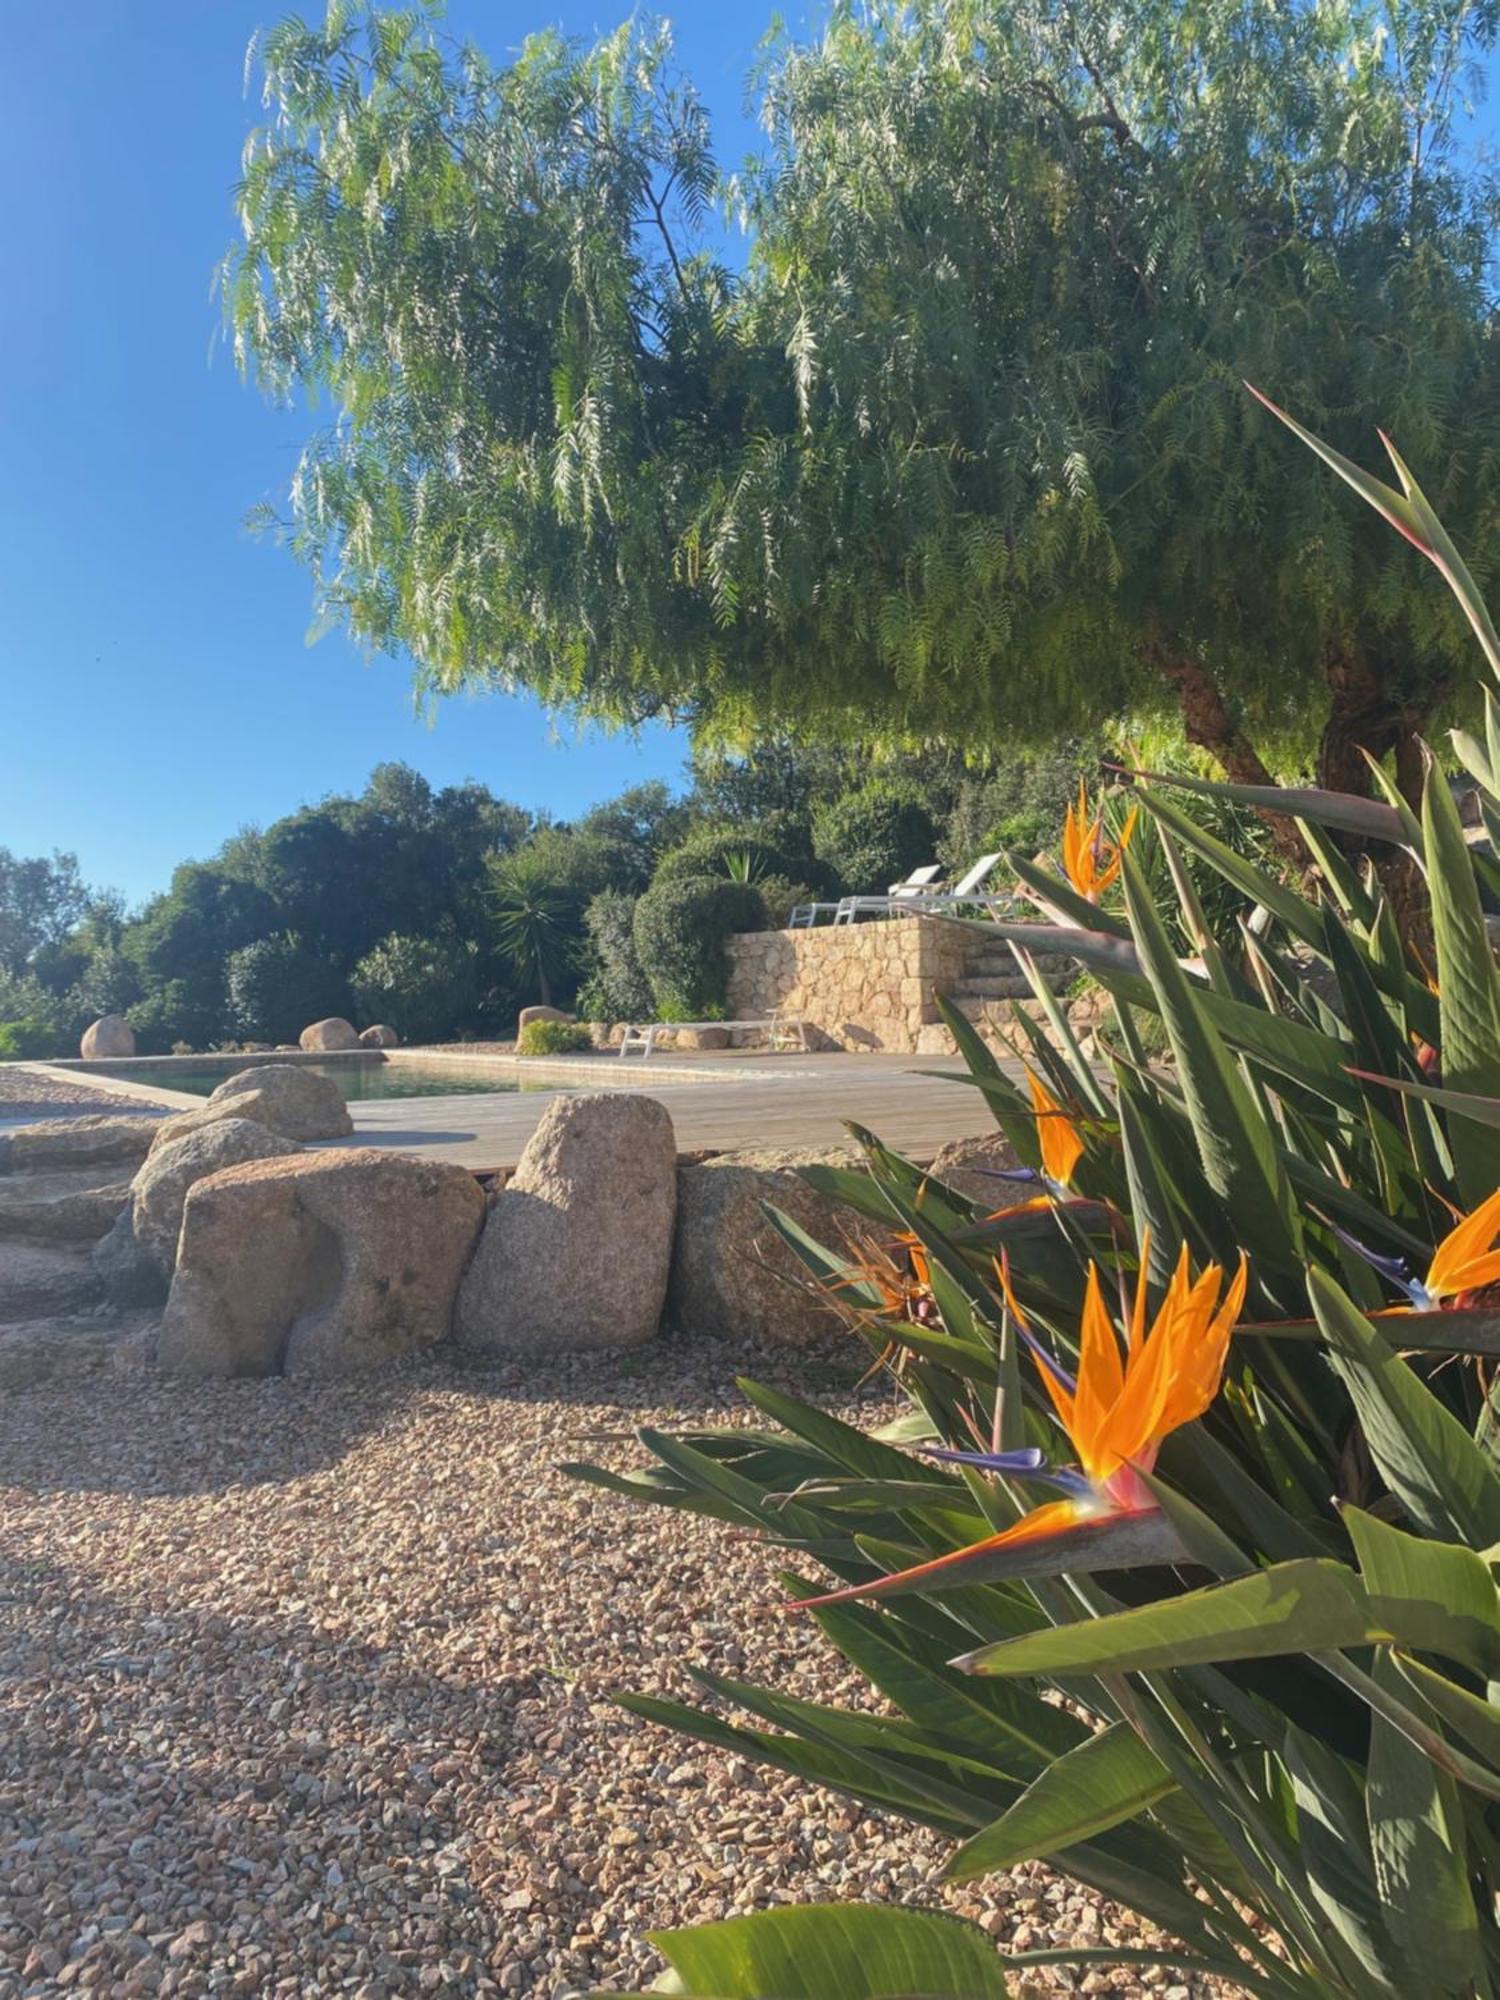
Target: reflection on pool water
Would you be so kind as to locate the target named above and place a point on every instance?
(357, 1080)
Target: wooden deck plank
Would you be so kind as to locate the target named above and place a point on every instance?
(803, 1105)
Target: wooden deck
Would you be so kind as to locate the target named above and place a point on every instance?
(790, 1101)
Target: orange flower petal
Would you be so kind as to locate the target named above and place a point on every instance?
(1460, 1252)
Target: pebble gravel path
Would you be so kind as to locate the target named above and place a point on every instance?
(304, 1690)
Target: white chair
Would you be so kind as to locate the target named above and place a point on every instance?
(919, 902)
(804, 916)
(918, 884)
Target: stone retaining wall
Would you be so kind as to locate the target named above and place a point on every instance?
(858, 986)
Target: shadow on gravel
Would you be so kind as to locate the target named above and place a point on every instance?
(149, 1436)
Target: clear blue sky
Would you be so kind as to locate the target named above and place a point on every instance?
(156, 687)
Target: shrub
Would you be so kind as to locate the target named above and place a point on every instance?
(781, 897)
(680, 928)
(876, 835)
(554, 1038)
(735, 852)
(32, 1040)
(277, 985)
(617, 990)
(427, 988)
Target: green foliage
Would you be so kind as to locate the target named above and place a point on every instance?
(532, 918)
(877, 835)
(1247, 1667)
(889, 478)
(737, 852)
(617, 989)
(554, 1038)
(32, 1040)
(42, 898)
(681, 924)
(276, 985)
(422, 986)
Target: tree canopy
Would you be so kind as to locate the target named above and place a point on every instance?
(962, 453)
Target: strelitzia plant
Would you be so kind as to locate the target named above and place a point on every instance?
(1114, 1413)
(1091, 861)
(1238, 1674)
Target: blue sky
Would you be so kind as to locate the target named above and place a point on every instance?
(156, 687)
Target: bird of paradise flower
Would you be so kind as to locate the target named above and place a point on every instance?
(1466, 1262)
(1091, 863)
(1115, 1413)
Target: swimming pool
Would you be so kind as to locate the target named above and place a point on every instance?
(359, 1080)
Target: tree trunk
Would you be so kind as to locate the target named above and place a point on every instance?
(1208, 723)
(1364, 721)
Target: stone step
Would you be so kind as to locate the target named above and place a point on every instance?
(57, 1145)
(1010, 987)
(73, 1346)
(77, 1207)
(41, 1280)
(997, 961)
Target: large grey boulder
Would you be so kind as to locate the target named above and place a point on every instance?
(318, 1264)
(973, 1167)
(108, 1039)
(379, 1037)
(333, 1034)
(577, 1246)
(287, 1098)
(733, 1276)
(160, 1189)
(60, 1143)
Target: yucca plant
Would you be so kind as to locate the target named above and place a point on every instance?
(1236, 1670)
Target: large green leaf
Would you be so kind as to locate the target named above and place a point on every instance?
(1468, 988)
(1345, 812)
(1417, 1841)
(1333, 1848)
(1235, 1145)
(1460, 1607)
(835, 1951)
(1426, 1457)
(1108, 1779)
(1469, 1715)
(1307, 1606)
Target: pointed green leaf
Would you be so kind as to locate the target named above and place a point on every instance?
(858, 1951)
(1468, 987)
(1234, 1143)
(1110, 1778)
(1426, 1457)
(1417, 1841)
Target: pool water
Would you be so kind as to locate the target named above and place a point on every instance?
(358, 1081)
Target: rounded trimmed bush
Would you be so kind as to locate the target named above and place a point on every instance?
(680, 928)
(877, 835)
(554, 1038)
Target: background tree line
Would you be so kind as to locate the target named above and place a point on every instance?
(445, 911)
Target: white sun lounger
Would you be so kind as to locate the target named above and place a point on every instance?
(783, 1031)
(921, 882)
(915, 899)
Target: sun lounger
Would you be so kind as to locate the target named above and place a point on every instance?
(783, 1031)
(918, 900)
(921, 882)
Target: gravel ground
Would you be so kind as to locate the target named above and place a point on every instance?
(25, 1095)
(304, 1690)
